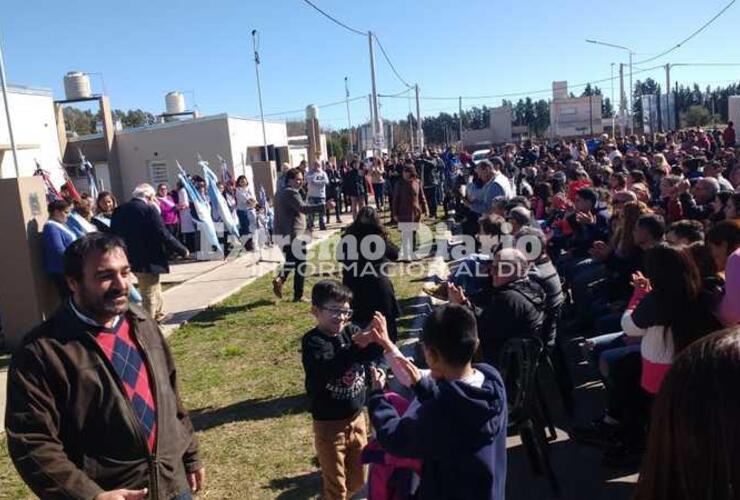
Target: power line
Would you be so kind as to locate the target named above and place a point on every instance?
(388, 60)
(328, 105)
(517, 94)
(692, 35)
(337, 21)
(398, 94)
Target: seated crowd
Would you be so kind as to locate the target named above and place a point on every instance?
(631, 245)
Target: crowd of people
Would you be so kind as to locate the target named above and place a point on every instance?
(158, 225)
(630, 243)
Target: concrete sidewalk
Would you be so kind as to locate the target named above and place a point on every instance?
(195, 286)
(208, 283)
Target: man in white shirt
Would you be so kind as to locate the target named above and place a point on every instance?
(317, 180)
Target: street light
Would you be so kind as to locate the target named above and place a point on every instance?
(255, 44)
(631, 53)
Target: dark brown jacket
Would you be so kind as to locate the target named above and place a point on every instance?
(71, 430)
(408, 201)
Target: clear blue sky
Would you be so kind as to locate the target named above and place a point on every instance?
(464, 47)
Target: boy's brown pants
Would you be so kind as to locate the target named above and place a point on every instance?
(338, 446)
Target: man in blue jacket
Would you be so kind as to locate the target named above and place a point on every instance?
(457, 426)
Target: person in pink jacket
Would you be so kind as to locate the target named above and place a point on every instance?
(168, 209)
(724, 242)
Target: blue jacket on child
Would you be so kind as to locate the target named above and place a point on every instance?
(458, 431)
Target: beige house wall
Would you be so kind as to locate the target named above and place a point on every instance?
(574, 117)
(171, 142)
(27, 297)
(245, 133)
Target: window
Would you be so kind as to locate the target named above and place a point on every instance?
(158, 172)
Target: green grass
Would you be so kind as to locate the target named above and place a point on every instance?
(240, 375)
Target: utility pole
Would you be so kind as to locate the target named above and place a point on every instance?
(374, 98)
(259, 91)
(622, 98)
(7, 113)
(675, 107)
(622, 47)
(411, 134)
(632, 96)
(419, 131)
(614, 114)
(372, 124)
(668, 96)
(460, 124)
(591, 113)
(667, 78)
(349, 120)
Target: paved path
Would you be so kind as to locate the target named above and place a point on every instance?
(200, 285)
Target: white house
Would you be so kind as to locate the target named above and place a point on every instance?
(150, 154)
(35, 132)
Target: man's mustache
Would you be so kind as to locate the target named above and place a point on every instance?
(114, 294)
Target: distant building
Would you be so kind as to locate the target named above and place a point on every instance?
(365, 139)
(733, 109)
(150, 154)
(498, 130)
(35, 132)
(298, 149)
(572, 117)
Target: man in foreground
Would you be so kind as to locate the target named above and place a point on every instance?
(93, 410)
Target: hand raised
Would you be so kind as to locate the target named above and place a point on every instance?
(379, 328)
(456, 294)
(640, 281)
(378, 378)
(410, 369)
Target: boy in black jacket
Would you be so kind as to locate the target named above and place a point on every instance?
(335, 362)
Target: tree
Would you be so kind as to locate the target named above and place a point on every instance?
(648, 87)
(133, 118)
(477, 118)
(529, 113)
(336, 145)
(542, 118)
(589, 90)
(518, 113)
(607, 110)
(79, 122)
(696, 116)
(437, 129)
(138, 118)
